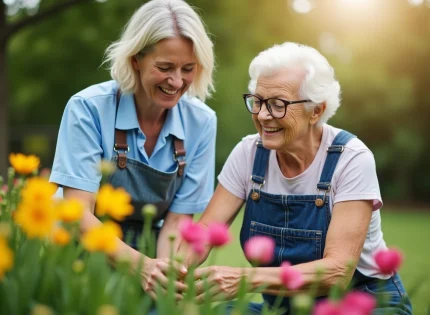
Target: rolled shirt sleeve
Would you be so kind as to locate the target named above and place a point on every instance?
(79, 150)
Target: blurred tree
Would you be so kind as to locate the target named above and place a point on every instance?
(379, 50)
(7, 30)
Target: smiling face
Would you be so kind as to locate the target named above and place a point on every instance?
(277, 134)
(165, 72)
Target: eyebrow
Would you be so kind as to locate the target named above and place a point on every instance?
(167, 63)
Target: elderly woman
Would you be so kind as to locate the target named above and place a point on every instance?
(311, 187)
(149, 121)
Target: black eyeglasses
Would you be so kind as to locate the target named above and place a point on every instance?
(277, 107)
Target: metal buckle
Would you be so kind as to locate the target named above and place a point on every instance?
(176, 158)
(125, 151)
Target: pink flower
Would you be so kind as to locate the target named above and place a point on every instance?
(260, 250)
(191, 232)
(326, 307)
(388, 260)
(291, 277)
(219, 234)
(4, 188)
(358, 303)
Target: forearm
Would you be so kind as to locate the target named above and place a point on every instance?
(170, 227)
(123, 251)
(319, 275)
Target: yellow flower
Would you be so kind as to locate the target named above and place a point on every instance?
(102, 238)
(113, 202)
(6, 257)
(36, 219)
(38, 190)
(70, 210)
(61, 236)
(41, 309)
(107, 309)
(24, 164)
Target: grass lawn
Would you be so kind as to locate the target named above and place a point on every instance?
(408, 231)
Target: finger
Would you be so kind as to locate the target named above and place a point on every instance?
(208, 294)
(157, 276)
(204, 272)
(164, 292)
(167, 266)
(203, 285)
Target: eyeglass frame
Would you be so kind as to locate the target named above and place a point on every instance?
(268, 106)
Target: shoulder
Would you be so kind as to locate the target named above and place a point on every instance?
(195, 109)
(354, 146)
(96, 95)
(247, 146)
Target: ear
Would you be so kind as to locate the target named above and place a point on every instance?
(135, 63)
(317, 112)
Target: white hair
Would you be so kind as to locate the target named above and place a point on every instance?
(154, 21)
(319, 84)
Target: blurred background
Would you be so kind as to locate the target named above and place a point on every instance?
(380, 49)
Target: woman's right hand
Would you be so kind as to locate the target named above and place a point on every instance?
(156, 272)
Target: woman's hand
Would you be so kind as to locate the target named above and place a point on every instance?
(155, 273)
(222, 283)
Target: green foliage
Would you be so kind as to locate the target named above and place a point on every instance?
(379, 53)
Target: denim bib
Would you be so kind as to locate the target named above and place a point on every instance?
(297, 223)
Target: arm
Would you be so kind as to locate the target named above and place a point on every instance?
(221, 200)
(344, 242)
(170, 227)
(89, 220)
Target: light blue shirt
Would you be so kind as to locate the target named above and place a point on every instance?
(86, 136)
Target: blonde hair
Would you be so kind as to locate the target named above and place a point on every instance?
(154, 21)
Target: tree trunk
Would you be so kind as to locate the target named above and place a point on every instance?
(4, 114)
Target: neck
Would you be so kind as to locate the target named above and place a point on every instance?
(299, 155)
(148, 114)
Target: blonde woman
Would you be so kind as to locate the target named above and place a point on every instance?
(151, 121)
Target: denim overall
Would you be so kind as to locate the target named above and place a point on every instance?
(145, 185)
(299, 224)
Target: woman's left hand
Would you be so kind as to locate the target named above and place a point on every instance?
(222, 283)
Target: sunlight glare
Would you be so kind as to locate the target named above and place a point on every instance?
(415, 2)
(301, 6)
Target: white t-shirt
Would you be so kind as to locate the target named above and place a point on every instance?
(354, 179)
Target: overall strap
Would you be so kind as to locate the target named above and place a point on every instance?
(259, 169)
(333, 155)
(179, 155)
(120, 146)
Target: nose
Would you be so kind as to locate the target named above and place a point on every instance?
(264, 114)
(175, 80)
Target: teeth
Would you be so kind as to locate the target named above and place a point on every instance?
(271, 129)
(170, 92)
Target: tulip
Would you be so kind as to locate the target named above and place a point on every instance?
(358, 303)
(291, 277)
(218, 234)
(326, 307)
(192, 232)
(260, 250)
(388, 260)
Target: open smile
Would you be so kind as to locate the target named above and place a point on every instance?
(167, 91)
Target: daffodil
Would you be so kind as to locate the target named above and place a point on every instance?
(61, 236)
(70, 211)
(24, 164)
(102, 238)
(6, 257)
(116, 203)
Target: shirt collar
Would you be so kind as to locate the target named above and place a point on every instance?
(173, 124)
(126, 117)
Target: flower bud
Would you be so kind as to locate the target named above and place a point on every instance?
(149, 211)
